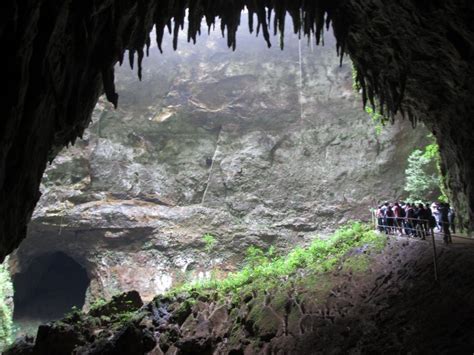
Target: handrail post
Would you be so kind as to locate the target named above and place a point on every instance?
(435, 257)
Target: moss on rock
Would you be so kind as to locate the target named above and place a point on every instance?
(356, 264)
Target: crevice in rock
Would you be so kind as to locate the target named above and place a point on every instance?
(211, 168)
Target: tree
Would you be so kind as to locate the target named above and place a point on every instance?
(423, 179)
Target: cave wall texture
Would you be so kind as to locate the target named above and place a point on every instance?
(293, 157)
(414, 55)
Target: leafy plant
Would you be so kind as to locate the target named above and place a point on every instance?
(209, 242)
(6, 320)
(256, 256)
(377, 119)
(98, 303)
(423, 176)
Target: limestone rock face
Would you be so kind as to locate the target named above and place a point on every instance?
(415, 56)
(256, 147)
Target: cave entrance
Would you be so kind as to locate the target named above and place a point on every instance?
(49, 288)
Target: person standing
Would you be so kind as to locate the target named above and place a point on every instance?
(431, 219)
(435, 213)
(380, 219)
(390, 220)
(398, 220)
(410, 219)
(416, 220)
(444, 217)
(402, 218)
(451, 218)
(422, 220)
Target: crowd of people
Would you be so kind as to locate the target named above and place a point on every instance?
(416, 220)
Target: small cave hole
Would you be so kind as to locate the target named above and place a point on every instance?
(49, 288)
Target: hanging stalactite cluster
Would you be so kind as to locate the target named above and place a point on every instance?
(414, 57)
(310, 18)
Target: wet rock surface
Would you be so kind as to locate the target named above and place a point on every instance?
(258, 147)
(392, 306)
(124, 302)
(414, 56)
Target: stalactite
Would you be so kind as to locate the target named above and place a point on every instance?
(108, 79)
(309, 19)
(131, 58)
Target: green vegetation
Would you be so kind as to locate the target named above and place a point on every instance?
(6, 321)
(377, 118)
(256, 256)
(102, 314)
(117, 320)
(98, 303)
(266, 270)
(423, 176)
(210, 242)
(274, 286)
(358, 264)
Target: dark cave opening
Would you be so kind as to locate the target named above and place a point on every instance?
(49, 287)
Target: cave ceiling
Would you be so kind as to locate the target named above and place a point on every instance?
(413, 59)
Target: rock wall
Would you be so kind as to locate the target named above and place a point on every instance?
(256, 147)
(415, 56)
(393, 46)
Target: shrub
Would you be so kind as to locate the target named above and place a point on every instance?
(423, 178)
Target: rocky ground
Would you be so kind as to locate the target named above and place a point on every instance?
(387, 304)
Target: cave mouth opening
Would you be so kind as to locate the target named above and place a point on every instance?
(49, 288)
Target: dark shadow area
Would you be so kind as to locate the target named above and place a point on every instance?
(49, 288)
